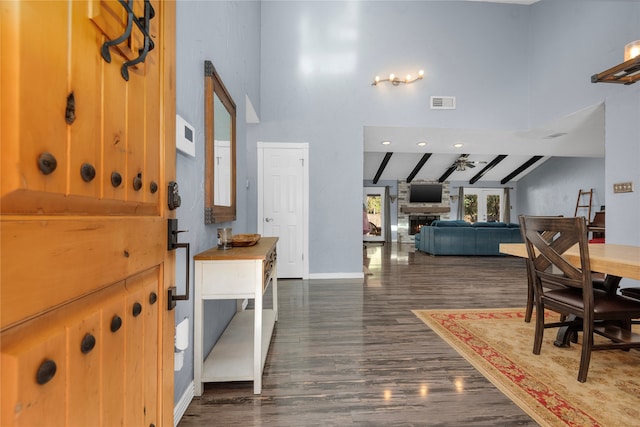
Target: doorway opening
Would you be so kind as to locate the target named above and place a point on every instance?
(374, 204)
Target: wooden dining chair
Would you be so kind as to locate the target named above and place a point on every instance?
(566, 289)
(598, 280)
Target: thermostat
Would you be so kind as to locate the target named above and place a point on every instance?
(185, 137)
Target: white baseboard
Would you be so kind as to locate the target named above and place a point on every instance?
(359, 275)
(183, 403)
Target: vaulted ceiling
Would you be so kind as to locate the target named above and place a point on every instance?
(494, 155)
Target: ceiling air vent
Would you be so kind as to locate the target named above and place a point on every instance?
(443, 102)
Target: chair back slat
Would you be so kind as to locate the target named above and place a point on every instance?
(547, 240)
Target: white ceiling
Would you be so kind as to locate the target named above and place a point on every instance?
(581, 135)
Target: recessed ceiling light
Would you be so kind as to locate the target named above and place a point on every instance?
(421, 144)
(458, 145)
(386, 142)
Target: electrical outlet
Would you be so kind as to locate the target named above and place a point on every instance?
(623, 187)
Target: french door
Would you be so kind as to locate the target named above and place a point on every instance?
(483, 205)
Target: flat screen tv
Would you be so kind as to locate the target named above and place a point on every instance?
(425, 193)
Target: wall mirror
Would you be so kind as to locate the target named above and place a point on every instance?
(220, 149)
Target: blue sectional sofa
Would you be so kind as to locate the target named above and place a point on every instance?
(463, 238)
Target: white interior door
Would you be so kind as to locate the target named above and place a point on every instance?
(283, 204)
(373, 199)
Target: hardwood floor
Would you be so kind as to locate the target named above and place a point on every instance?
(351, 352)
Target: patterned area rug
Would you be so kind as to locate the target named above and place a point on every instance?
(499, 344)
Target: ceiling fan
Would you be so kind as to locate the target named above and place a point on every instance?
(462, 163)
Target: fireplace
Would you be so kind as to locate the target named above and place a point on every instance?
(417, 221)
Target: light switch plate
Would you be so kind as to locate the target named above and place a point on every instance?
(185, 137)
(623, 187)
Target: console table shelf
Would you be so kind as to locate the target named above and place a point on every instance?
(232, 357)
(238, 273)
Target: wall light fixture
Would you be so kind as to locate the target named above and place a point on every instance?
(632, 50)
(394, 80)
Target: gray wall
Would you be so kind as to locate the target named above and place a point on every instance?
(227, 34)
(318, 62)
(307, 68)
(552, 188)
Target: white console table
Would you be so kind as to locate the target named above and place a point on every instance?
(239, 273)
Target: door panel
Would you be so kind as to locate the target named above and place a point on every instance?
(35, 140)
(115, 322)
(85, 89)
(24, 401)
(83, 363)
(89, 380)
(79, 247)
(283, 207)
(115, 149)
(134, 364)
(152, 381)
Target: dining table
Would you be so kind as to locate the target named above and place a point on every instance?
(607, 258)
(613, 260)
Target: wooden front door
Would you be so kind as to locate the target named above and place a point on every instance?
(87, 153)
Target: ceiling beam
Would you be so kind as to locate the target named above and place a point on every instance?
(383, 165)
(526, 165)
(419, 166)
(487, 168)
(452, 168)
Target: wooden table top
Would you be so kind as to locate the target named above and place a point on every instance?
(257, 251)
(608, 258)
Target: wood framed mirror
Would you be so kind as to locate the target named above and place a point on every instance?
(220, 149)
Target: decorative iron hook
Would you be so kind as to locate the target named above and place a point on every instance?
(127, 32)
(144, 28)
(149, 13)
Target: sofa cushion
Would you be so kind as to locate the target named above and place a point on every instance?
(488, 239)
(452, 241)
(489, 224)
(452, 223)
